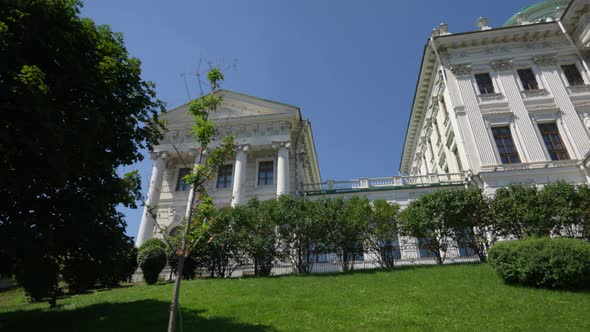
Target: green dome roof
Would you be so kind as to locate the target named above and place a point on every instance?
(540, 12)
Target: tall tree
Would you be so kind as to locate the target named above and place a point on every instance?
(383, 233)
(74, 108)
(200, 209)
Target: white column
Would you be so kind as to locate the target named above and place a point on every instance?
(239, 178)
(146, 228)
(282, 167)
(192, 192)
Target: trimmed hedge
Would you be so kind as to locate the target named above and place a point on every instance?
(543, 262)
(151, 258)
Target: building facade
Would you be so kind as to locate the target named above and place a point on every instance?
(275, 155)
(493, 106)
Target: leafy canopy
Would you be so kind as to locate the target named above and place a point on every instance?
(74, 109)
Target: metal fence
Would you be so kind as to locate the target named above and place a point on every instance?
(332, 265)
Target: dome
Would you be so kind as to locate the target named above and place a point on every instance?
(544, 11)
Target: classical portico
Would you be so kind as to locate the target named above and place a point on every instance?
(274, 155)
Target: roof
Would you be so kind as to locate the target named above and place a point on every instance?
(548, 10)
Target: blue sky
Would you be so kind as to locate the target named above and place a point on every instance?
(351, 66)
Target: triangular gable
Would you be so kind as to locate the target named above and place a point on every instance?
(235, 106)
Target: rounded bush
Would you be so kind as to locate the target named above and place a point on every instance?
(543, 262)
(151, 258)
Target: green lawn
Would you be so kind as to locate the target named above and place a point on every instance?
(454, 297)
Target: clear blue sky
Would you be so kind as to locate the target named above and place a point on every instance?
(351, 66)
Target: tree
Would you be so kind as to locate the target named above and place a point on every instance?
(205, 133)
(383, 233)
(302, 231)
(436, 219)
(516, 212)
(151, 258)
(74, 109)
(474, 227)
(261, 241)
(562, 206)
(347, 222)
(584, 197)
(223, 243)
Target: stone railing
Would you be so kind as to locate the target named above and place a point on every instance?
(393, 182)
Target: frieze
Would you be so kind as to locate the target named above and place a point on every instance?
(538, 46)
(545, 60)
(496, 50)
(251, 130)
(461, 69)
(502, 64)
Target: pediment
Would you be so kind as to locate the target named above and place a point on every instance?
(236, 108)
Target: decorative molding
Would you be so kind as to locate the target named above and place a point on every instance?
(489, 97)
(250, 130)
(534, 93)
(284, 144)
(461, 69)
(538, 46)
(242, 147)
(158, 155)
(496, 50)
(575, 89)
(502, 64)
(545, 60)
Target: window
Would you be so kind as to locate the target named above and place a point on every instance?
(573, 75)
(224, 176)
(553, 141)
(528, 79)
(265, 172)
(175, 231)
(484, 83)
(505, 145)
(181, 185)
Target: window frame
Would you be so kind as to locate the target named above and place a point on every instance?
(535, 76)
(580, 72)
(559, 134)
(495, 89)
(232, 177)
(514, 143)
(274, 171)
(179, 178)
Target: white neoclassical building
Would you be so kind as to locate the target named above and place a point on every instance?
(275, 155)
(492, 106)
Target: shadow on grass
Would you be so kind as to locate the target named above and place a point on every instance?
(144, 315)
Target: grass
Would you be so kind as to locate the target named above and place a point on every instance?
(454, 297)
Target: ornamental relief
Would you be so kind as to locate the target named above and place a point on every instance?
(545, 60)
(520, 49)
(502, 64)
(251, 130)
(461, 69)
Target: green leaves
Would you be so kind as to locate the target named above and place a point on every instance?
(73, 98)
(215, 76)
(33, 79)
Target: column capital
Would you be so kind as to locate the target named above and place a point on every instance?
(281, 144)
(158, 155)
(242, 147)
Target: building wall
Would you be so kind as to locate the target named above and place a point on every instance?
(457, 127)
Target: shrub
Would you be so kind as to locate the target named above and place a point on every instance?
(151, 258)
(543, 262)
